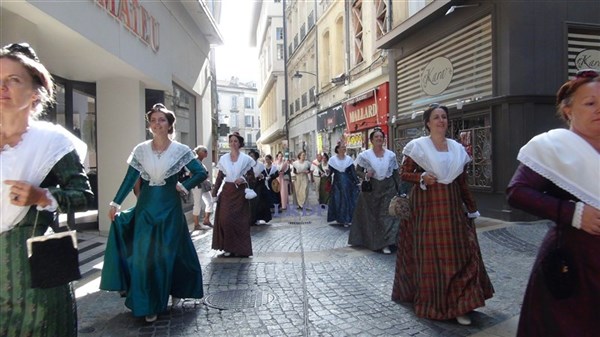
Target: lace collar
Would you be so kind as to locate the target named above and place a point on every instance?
(156, 169)
(567, 160)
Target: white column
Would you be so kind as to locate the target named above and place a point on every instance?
(120, 126)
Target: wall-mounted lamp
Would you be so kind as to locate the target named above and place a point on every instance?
(459, 104)
(298, 74)
(394, 119)
(453, 8)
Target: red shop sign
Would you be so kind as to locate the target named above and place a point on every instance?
(368, 110)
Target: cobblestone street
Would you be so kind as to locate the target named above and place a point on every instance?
(304, 280)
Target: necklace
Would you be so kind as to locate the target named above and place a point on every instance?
(157, 152)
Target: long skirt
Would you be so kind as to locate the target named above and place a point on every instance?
(438, 265)
(577, 316)
(372, 226)
(301, 189)
(231, 231)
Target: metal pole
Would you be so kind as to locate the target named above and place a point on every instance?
(285, 73)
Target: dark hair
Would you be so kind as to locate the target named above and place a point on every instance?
(427, 113)
(43, 81)
(159, 107)
(269, 157)
(240, 138)
(299, 154)
(337, 147)
(565, 93)
(377, 129)
(326, 155)
(252, 153)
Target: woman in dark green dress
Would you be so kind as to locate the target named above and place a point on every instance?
(149, 253)
(40, 173)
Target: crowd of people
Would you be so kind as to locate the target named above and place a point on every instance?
(150, 258)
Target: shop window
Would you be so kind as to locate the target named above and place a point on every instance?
(280, 51)
(279, 33)
(582, 44)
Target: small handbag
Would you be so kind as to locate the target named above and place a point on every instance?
(53, 259)
(250, 194)
(366, 186)
(400, 207)
(558, 268)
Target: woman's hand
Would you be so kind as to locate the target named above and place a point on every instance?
(369, 174)
(240, 181)
(590, 220)
(429, 178)
(112, 212)
(23, 193)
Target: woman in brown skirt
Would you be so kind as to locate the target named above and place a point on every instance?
(438, 266)
(231, 232)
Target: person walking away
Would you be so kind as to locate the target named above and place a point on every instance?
(344, 187)
(149, 253)
(41, 173)
(231, 233)
(202, 195)
(372, 226)
(439, 267)
(557, 179)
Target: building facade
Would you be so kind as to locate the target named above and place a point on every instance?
(112, 60)
(497, 65)
(237, 112)
(268, 37)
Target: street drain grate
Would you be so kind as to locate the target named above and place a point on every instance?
(300, 222)
(238, 299)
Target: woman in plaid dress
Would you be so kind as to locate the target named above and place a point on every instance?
(439, 267)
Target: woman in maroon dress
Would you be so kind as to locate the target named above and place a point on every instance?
(438, 265)
(558, 180)
(231, 232)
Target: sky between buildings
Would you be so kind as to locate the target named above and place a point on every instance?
(235, 57)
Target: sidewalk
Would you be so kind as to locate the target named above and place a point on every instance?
(304, 280)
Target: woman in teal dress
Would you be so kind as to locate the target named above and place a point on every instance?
(149, 253)
(40, 173)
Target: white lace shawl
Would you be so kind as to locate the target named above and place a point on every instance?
(42, 146)
(235, 170)
(340, 164)
(447, 168)
(258, 168)
(155, 170)
(567, 160)
(383, 167)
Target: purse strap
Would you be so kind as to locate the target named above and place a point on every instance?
(37, 213)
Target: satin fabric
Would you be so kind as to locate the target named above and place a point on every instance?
(149, 252)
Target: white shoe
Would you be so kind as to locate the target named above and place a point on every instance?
(226, 254)
(463, 320)
(151, 318)
(386, 250)
(175, 301)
